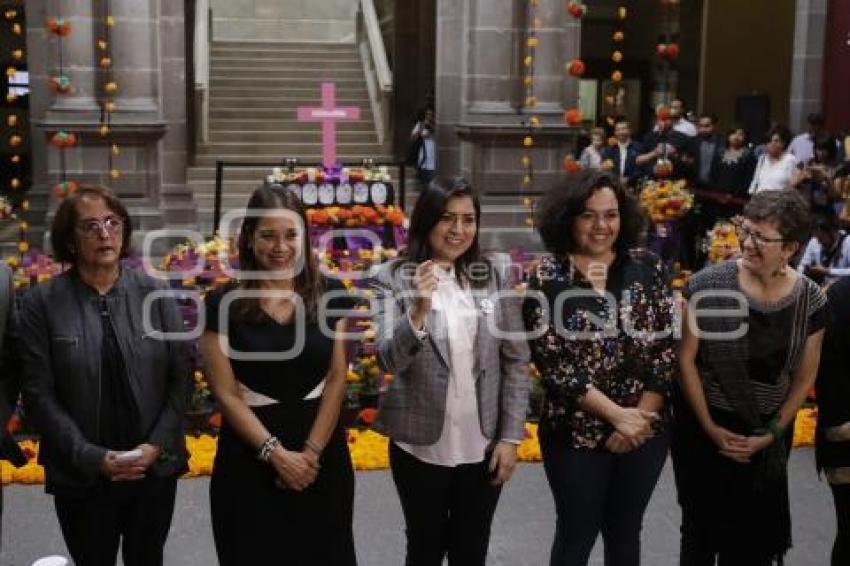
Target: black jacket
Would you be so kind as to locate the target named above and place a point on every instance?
(61, 336)
(833, 382)
(10, 384)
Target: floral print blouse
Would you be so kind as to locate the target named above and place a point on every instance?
(620, 342)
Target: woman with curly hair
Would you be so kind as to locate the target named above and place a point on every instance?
(601, 317)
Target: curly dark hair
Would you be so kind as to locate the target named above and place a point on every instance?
(63, 235)
(787, 210)
(565, 201)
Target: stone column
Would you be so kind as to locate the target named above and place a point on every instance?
(77, 56)
(148, 55)
(480, 113)
(807, 66)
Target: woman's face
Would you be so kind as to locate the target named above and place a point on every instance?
(596, 140)
(596, 229)
(454, 232)
(736, 139)
(763, 249)
(278, 241)
(99, 234)
(775, 147)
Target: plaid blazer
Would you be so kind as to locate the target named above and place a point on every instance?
(413, 408)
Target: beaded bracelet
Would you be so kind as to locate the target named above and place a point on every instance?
(777, 431)
(265, 451)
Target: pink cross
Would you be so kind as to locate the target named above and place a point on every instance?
(328, 115)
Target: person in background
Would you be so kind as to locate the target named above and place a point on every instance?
(705, 150)
(679, 115)
(744, 373)
(455, 410)
(832, 438)
(282, 488)
(105, 389)
(621, 158)
(733, 172)
(9, 372)
(803, 145)
(776, 169)
(605, 412)
(702, 157)
(827, 255)
(817, 181)
(726, 193)
(424, 147)
(591, 156)
(663, 142)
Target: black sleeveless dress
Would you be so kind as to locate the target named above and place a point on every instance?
(255, 522)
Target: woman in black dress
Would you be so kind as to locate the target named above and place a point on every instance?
(283, 486)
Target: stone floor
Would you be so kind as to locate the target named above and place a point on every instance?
(522, 530)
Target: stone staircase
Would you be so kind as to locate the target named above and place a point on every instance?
(255, 90)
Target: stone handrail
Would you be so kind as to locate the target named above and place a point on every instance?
(203, 37)
(379, 77)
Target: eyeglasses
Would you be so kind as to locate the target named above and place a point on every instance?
(758, 239)
(94, 228)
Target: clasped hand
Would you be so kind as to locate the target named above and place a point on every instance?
(295, 470)
(736, 446)
(633, 427)
(117, 468)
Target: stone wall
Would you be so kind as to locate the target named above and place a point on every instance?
(148, 53)
(480, 46)
(278, 20)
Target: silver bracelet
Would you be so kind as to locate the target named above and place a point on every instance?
(267, 447)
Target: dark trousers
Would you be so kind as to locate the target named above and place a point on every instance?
(138, 516)
(841, 548)
(447, 510)
(598, 491)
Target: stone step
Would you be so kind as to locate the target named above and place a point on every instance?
(247, 52)
(284, 46)
(262, 60)
(283, 148)
(286, 126)
(277, 116)
(353, 159)
(280, 103)
(353, 70)
(302, 137)
(291, 96)
(357, 82)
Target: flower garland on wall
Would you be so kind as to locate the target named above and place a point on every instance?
(615, 103)
(575, 69)
(59, 28)
(12, 195)
(108, 90)
(532, 42)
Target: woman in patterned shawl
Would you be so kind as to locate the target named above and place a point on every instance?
(745, 371)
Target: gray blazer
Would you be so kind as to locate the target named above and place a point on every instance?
(413, 408)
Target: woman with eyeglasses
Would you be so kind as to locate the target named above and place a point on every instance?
(450, 330)
(104, 388)
(600, 318)
(282, 489)
(749, 353)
